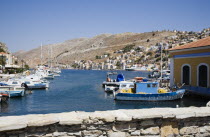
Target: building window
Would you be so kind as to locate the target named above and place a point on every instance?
(186, 73)
(203, 75)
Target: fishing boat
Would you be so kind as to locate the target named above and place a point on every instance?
(147, 91)
(110, 81)
(12, 91)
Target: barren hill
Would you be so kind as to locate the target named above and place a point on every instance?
(88, 48)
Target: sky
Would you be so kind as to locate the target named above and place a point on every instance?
(25, 24)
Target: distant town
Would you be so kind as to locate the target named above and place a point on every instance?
(144, 58)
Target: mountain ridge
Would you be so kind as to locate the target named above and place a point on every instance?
(88, 48)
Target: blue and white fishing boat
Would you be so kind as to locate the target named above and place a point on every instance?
(147, 91)
(12, 91)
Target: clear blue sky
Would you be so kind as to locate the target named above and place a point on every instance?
(24, 24)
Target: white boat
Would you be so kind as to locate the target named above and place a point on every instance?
(27, 83)
(44, 74)
(56, 75)
(137, 68)
(56, 70)
(12, 91)
(36, 84)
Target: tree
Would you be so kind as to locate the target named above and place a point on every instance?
(75, 66)
(118, 64)
(128, 48)
(26, 67)
(158, 59)
(149, 53)
(2, 61)
(2, 50)
(16, 62)
(98, 57)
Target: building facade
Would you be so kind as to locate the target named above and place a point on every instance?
(9, 61)
(190, 66)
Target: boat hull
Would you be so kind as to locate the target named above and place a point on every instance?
(14, 93)
(115, 84)
(151, 97)
(37, 87)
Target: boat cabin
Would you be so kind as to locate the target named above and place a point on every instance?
(126, 85)
(147, 87)
(140, 87)
(120, 77)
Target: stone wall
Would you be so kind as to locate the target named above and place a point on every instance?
(155, 122)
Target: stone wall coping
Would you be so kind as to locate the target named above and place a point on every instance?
(8, 123)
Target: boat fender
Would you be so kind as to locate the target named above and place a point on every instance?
(161, 90)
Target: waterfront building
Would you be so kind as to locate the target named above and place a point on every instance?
(190, 64)
(9, 61)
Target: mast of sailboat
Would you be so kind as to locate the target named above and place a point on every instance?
(161, 63)
(51, 57)
(41, 53)
(48, 61)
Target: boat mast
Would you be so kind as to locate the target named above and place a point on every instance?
(161, 63)
(48, 62)
(41, 53)
(51, 57)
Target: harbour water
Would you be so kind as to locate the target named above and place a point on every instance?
(81, 90)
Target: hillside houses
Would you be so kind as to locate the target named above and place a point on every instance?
(145, 56)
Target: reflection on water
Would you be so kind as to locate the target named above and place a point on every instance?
(186, 101)
(4, 106)
(81, 90)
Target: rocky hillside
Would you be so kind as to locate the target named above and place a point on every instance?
(88, 48)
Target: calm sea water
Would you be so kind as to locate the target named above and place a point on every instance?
(81, 90)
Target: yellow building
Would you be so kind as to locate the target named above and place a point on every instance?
(190, 65)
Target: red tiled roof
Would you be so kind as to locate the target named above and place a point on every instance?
(2, 53)
(200, 43)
